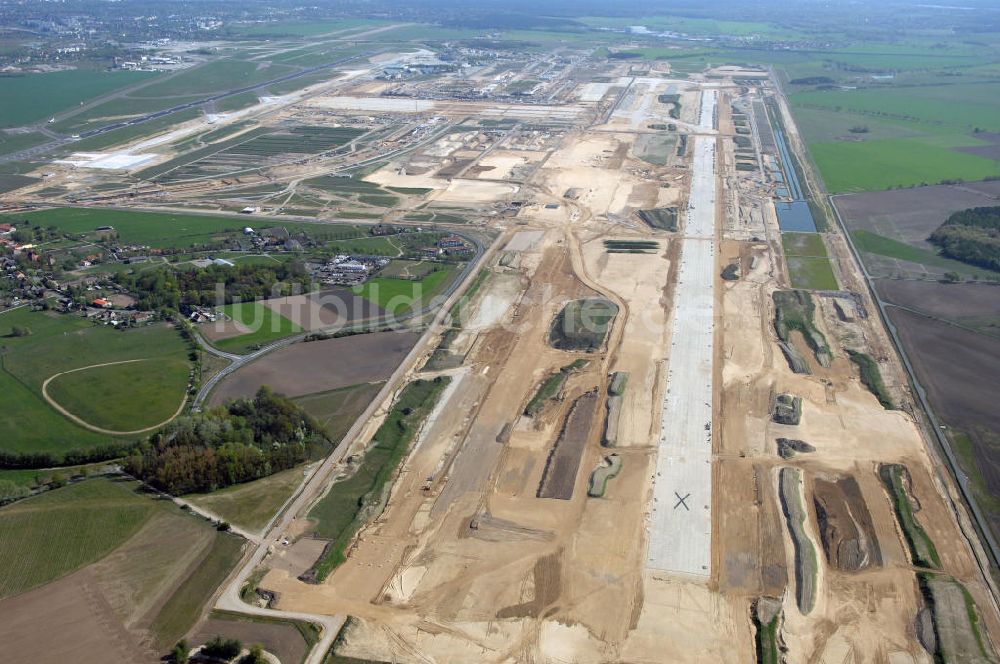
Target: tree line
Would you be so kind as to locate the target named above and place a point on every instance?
(173, 289)
(971, 236)
(242, 441)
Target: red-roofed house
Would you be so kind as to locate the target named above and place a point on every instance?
(101, 302)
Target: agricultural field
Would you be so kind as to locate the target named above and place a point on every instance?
(184, 606)
(876, 165)
(973, 306)
(808, 263)
(59, 343)
(891, 228)
(95, 516)
(54, 92)
(309, 368)
(325, 309)
(949, 330)
(288, 641)
(336, 410)
(118, 568)
(904, 133)
(956, 366)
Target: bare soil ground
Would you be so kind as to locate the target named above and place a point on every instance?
(845, 525)
(953, 301)
(863, 614)
(958, 368)
(911, 215)
(89, 631)
(105, 610)
(319, 366)
(563, 464)
(326, 308)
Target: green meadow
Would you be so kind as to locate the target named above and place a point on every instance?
(61, 342)
(265, 325)
(54, 92)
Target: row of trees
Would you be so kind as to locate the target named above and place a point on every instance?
(242, 441)
(971, 236)
(213, 285)
(73, 457)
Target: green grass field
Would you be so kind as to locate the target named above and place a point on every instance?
(53, 92)
(928, 108)
(155, 229)
(808, 264)
(405, 268)
(803, 244)
(58, 343)
(213, 76)
(115, 109)
(915, 126)
(14, 142)
(811, 273)
(876, 165)
(398, 296)
(873, 243)
(302, 28)
(963, 447)
(266, 326)
(52, 534)
(108, 396)
(251, 505)
(237, 102)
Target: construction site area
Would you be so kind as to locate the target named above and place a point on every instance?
(644, 438)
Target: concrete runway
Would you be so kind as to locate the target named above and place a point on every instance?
(680, 524)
